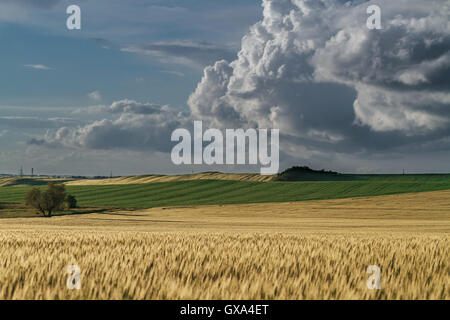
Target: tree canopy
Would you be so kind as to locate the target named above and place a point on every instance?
(48, 201)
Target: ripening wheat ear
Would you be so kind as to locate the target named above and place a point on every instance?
(180, 265)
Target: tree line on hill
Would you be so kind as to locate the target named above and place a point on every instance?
(298, 173)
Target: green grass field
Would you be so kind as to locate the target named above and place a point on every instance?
(204, 192)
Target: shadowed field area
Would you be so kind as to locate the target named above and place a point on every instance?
(12, 182)
(210, 192)
(301, 250)
(421, 212)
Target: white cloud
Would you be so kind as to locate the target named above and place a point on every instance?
(314, 70)
(187, 53)
(37, 66)
(338, 92)
(139, 126)
(96, 109)
(95, 95)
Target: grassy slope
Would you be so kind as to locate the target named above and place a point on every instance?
(201, 192)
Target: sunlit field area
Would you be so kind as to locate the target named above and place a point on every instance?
(295, 250)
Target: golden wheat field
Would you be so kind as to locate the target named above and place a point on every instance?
(304, 250)
(166, 178)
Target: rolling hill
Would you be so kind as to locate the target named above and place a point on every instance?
(209, 191)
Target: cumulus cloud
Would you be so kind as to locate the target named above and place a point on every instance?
(314, 70)
(139, 126)
(334, 88)
(124, 106)
(133, 107)
(190, 53)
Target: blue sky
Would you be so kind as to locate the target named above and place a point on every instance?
(305, 67)
(81, 63)
(92, 59)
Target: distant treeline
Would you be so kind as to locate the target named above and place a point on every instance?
(298, 173)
